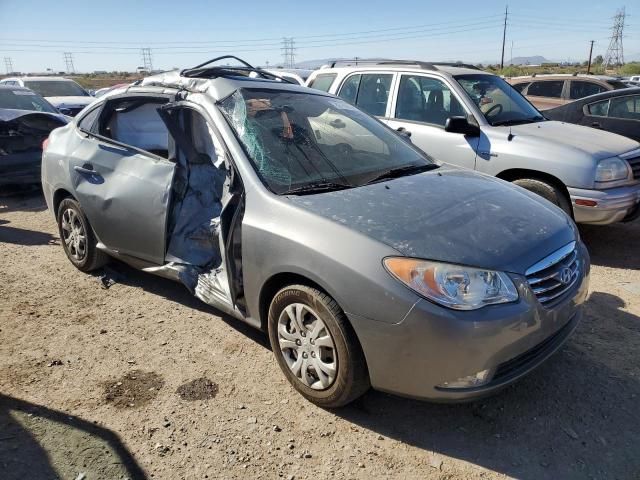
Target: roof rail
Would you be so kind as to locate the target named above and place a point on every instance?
(204, 70)
(417, 63)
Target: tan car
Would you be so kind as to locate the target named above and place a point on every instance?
(548, 91)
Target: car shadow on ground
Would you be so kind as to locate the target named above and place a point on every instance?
(575, 417)
(176, 292)
(28, 198)
(613, 245)
(20, 236)
(37, 442)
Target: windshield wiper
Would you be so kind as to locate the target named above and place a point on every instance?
(402, 171)
(316, 187)
(518, 121)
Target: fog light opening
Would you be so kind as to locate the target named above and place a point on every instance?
(586, 203)
(476, 380)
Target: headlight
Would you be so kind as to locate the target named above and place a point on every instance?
(611, 169)
(453, 286)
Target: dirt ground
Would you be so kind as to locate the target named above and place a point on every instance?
(140, 380)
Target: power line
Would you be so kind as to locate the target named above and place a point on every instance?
(326, 40)
(68, 60)
(590, 54)
(259, 40)
(8, 64)
(615, 53)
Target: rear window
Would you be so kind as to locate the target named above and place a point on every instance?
(549, 88)
(521, 86)
(617, 84)
(581, 89)
(20, 99)
(323, 81)
(56, 88)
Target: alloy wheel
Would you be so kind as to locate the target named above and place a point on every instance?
(307, 346)
(73, 234)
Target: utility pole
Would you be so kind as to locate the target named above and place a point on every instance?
(589, 63)
(68, 60)
(8, 64)
(504, 35)
(615, 53)
(146, 60)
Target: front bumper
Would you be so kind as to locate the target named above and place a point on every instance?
(612, 205)
(433, 345)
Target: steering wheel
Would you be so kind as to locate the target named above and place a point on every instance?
(498, 110)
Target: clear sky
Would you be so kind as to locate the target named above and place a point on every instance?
(109, 35)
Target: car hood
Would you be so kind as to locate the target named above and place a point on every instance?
(591, 141)
(9, 114)
(451, 215)
(59, 102)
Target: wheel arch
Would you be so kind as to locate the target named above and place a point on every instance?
(58, 196)
(519, 173)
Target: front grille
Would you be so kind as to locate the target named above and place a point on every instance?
(554, 275)
(635, 166)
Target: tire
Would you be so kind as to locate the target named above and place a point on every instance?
(77, 238)
(351, 378)
(546, 191)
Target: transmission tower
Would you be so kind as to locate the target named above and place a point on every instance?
(615, 53)
(146, 59)
(288, 52)
(68, 60)
(8, 65)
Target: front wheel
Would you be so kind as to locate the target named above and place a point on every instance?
(316, 347)
(547, 191)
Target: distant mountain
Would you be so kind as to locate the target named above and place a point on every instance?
(533, 60)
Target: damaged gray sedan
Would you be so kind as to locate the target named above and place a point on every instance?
(368, 263)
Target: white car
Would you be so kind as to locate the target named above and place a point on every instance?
(473, 119)
(64, 94)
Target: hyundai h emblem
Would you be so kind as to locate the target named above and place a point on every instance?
(565, 276)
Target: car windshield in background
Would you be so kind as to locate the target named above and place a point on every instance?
(498, 101)
(20, 99)
(56, 88)
(304, 143)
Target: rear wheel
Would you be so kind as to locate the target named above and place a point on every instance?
(316, 347)
(77, 238)
(548, 191)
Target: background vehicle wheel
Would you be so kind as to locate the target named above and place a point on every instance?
(77, 237)
(316, 347)
(547, 191)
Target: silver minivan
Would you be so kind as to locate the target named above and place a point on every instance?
(473, 119)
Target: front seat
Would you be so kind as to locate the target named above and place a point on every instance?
(410, 102)
(435, 108)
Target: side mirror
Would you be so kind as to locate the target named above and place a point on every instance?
(461, 125)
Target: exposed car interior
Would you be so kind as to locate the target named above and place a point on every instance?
(428, 100)
(136, 122)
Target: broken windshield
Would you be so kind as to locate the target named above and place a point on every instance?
(300, 142)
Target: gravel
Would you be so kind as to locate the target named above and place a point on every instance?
(575, 417)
